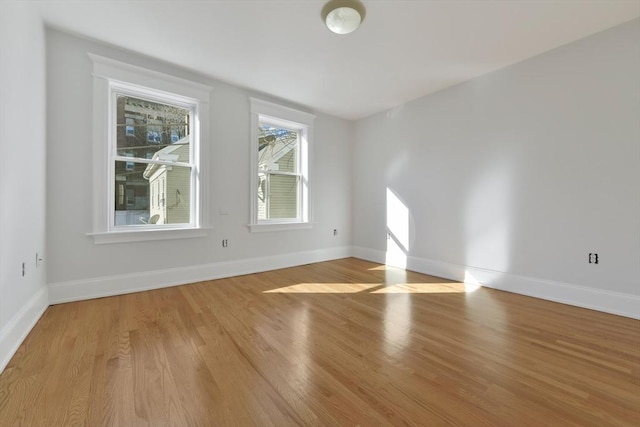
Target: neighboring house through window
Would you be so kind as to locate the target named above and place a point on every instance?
(148, 154)
(280, 154)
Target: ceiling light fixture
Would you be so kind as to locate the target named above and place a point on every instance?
(343, 16)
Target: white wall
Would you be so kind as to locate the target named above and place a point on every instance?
(515, 177)
(22, 173)
(80, 268)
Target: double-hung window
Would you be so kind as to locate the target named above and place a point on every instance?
(280, 159)
(149, 153)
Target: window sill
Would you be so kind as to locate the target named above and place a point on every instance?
(102, 238)
(279, 226)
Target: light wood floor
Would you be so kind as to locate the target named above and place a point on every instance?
(345, 342)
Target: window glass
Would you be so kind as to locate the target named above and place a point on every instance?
(151, 191)
(279, 180)
(145, 127)
(277, 149)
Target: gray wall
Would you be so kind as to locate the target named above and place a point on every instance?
(75, 257)
(523, 171)
(22, 173)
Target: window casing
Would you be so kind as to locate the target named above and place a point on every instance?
(149, 171)
(281, 144)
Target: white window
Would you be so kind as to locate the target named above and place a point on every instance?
(149, 154)
(280, 157)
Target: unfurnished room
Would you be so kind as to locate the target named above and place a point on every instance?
(320, 213)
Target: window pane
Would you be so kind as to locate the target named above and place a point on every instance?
(151, 194)
(277, 149)
(277, 196)
(147, 128)
(262, 196)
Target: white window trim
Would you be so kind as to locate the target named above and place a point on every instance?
(109, 73)
(291, 119)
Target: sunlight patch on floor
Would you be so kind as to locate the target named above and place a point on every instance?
(382, 268)
(324, 288)
(374, 288)
(422, 288)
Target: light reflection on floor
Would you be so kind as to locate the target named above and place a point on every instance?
(325, 288)
(397, 322)
(396, 288)
(375, 288)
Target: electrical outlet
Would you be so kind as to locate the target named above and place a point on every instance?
(335, 231)
(593, 258)
(225, 243)
(24, 268)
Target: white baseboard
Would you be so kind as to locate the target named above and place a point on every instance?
(627, 305)
(17, 329)
(127, 283)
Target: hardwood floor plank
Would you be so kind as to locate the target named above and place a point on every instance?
(345, 342)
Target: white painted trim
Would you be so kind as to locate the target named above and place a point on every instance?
(278, 113)
(19, 326)
(263, 111)
(148, 235)
(627, 305)
(367, 254)
(114, 76)
(112, 69)
(126, 283)
(17, 329)
(279, 226)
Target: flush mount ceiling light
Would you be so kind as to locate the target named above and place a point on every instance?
(343, 20)
(343, 17)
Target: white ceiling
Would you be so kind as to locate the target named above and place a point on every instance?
(402, 51)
